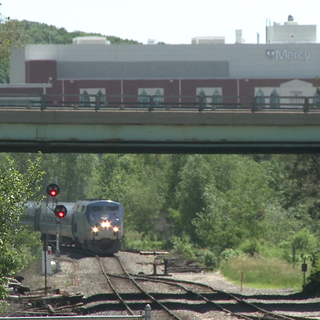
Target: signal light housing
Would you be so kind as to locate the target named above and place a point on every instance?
(60, 211)
(53, 190)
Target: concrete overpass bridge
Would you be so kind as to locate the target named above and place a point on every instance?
(129, 125)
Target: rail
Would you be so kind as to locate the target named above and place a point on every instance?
(145, 316)
(149, 103)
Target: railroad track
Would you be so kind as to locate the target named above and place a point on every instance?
(115, 291)
(174, 296)
(125, 299)
(233, 304)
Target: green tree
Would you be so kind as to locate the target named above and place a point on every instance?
(16, 189)
(175, 164)
(74, 173)
(112, 174)
(10, 37)
(195, 176)
(233, 203)
(138, 183)
(298, 180)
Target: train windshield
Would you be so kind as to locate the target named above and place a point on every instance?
(102, 211)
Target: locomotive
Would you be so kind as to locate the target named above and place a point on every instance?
(91, 225)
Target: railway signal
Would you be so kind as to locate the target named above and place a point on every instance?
(53, 190)
(60, 211)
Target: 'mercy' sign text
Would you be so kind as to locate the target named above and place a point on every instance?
(288, 55)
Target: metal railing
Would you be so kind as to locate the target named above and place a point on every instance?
(149, 103)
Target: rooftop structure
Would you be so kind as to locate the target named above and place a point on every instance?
(90, 40)
(208, 40)
(290, 32)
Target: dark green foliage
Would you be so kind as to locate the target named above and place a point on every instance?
(250, 247)
(313, 281)
(137, 181)
(300, 182)
(41, 33)
(16, 188)
(4, 72)
(73, 172)
(185, 247)
(11, 36)
(230, 254)
(210, 260)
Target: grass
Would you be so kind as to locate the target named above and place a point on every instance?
(260, 273)
(133, 240)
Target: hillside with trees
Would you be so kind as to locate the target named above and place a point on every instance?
(41, 33)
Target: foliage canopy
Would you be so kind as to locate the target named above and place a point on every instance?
(16, 188)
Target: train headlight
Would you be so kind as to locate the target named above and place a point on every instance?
(115, 229)
(95, 230)
(105, 224)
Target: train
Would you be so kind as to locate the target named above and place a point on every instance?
(90, 225)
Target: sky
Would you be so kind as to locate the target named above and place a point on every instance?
(169, 21)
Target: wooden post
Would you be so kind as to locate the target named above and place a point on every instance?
(241, 280)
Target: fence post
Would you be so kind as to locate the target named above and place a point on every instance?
(306, 105)
(147, 312)
(254, 105)
(166, 262)
(43, 102)
(151, 103)
(97, 102)
(155, 267)
(201, 101)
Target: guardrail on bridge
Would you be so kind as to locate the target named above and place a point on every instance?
(159, 103)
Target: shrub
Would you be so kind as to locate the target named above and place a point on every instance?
(313, 281)
(210, 260)
(184, 247)
(231, 253)
(134, 240)
(250, 246)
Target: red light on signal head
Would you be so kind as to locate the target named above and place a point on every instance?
(61, 214)
(53, 190)
(60, 211)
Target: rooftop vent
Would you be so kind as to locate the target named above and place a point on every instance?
(90, 40)
(208, 40)
(290, 17)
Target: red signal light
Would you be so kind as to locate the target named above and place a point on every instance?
(53, 190)
(60, 211)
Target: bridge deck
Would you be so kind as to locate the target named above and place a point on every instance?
(159, 132)
(173, 125)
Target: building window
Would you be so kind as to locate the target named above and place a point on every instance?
(158, 99)
(91, 97)
(143, 99)
(274, 99)
(85, 99)
(202, 95)
(100, 99)
(144, 95)
(260, 99)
